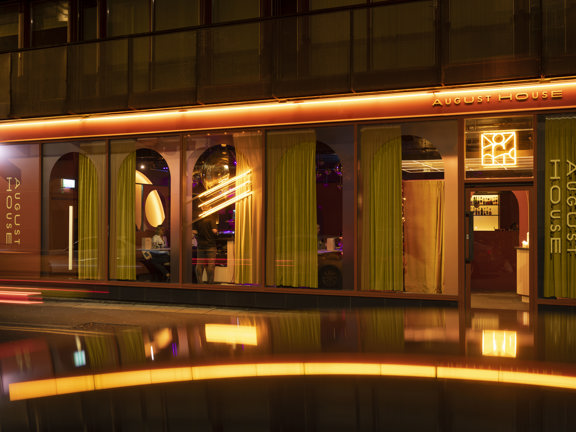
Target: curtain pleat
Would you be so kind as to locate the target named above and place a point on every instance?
(126, 220)
(292, 209)
(381, 221)
(424, 235)
(559, 268)
(246, 240)
(88, 206)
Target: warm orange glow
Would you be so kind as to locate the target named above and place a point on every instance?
(498, 149)
(224, 183)
(225, 204)
(154, 209)
(499, 343)
(535, 95)
(231, 334)
(58, 386)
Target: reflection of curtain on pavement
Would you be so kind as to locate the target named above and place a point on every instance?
(247, 234)
(126, 220)
(424, 235)
(381, 223)
(88, 205)
(560, 267)
(296, 334)
(559, 336)
(291, 211)
(382, 330)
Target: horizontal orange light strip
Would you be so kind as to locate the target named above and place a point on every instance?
(84, 383)
(559, 94)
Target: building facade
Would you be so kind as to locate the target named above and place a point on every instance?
(317, 149)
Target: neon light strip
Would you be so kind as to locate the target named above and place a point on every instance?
(225, 193)
(70, 236)
(225, 204)
(224, 183)
(84, 383)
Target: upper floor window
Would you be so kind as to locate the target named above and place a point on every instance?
(126, 17)
(49, 22)
(171, 14)
(227, 10)
(8, 27)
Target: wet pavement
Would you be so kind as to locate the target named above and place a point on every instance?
(85, 365)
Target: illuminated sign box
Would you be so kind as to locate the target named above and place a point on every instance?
(498, 149)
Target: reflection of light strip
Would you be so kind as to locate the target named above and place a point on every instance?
(60, 386)
(224, 183)
(20, 297)
(231, 334)
(70, 236)
(225, 204)
(223, 194)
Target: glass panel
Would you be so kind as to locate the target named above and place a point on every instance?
(499, 147)
(165, 62)
(481, 29)
(144, 175)
(99, 72)
(235, 55)
(306, 221)
(233, 10)
(49, 22)
(324, 4)
(20, 218)
(559, 35)
(41, 73)
(223, 208)
(88, 19)
(8, 27)
(406, 199)
(329, 43)
(74, 210)
(171, 14)
(128, 17)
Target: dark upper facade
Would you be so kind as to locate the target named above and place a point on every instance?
(60, 57)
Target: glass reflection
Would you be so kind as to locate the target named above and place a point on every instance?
(411, 355)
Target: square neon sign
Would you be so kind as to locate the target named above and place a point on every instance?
(498, 149)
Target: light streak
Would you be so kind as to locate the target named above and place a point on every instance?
(225, 204)
(223, 184)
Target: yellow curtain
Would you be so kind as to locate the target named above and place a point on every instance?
(291, 212)
(247, 236)
(88, 206)
(126, 220)
(381, 220)
(559, 263)
(424, 235)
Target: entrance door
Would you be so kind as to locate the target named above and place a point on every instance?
(497, 247)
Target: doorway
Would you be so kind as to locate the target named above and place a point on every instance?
(498, 247)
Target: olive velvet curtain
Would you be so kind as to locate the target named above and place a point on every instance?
(559, 262)
(291, 209)
(381, 220)
(247, 237)
(88, 221)
(124, 266)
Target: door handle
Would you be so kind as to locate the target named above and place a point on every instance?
(470, 237)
